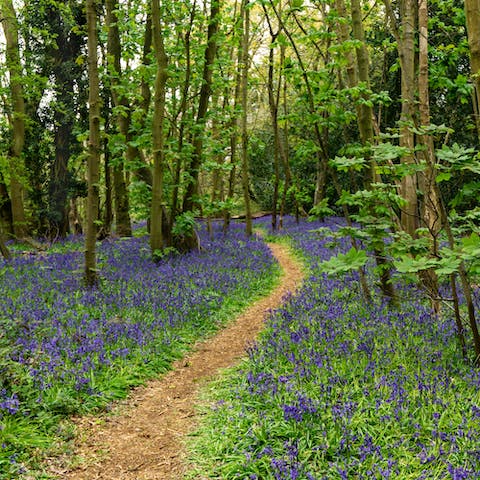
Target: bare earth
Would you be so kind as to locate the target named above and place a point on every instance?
(143, 438)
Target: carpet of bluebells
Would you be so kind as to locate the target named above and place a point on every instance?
(65, 349)
(340, 389)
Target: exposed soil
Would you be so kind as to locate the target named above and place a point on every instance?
(142, 439)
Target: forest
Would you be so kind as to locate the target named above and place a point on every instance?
(151, 152)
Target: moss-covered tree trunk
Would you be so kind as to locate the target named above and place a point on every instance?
(122, 216)
(472, 14)
(364, 110)
(16, 117)
(205, 92)
(3, 248)
(244, 101)
(65, 50)
(156, 212)
(406, 50)
(93, 167)
(431, 211)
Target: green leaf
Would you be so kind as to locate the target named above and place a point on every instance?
(343, 263)
(344, 164)
(413, 265)
(443, 177)
(447, 266)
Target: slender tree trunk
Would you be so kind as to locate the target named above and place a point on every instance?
(284, 150)
(182, 113)
(66, 50)
(273, 104)
(322, 153)
(466, 287)
(17, 118)
(279, 148)
(234, 122)
(359, 72)
(156, 216)
(472, 13)
(189, 202)
(122, 216)
(458, 317)
(431, 207)
(143, 172)
(244, 97)
(406, 48)
(6, 221)
(365, 111)
(344, 36)
(108, 211)
(93, 170)
(58, 188)
(3, 248)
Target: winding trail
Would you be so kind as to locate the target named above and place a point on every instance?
(143, 439)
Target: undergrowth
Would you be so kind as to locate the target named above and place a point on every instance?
(68, 350)
(337, 388)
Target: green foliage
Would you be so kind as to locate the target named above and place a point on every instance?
(321, 209)
(140, 196)
(166, 252)
(185, 224)
(344, 262)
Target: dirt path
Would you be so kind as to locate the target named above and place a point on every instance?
(143, 439)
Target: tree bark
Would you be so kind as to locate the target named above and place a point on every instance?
(322, 153)
(245, 12)
(273, 101)
(182, 113)
(143, 172)
(406, 49)
(365, 111)
(64, 52)
(93, 167)
(122, 216)
(156, 213)
(431, 212)
(6, 221)
(108, 206)
(472, 14)
(3, 248)
(234, 123)
(189, 201)
(17, 118)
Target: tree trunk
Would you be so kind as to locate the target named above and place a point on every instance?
(3, 248)
(278, 144)
(284, 151)
(189, 201)
(58, 187)
(65, 52)
(245, 12)
(322, 153)
(143, 172)
(359, 72)
(273, 101)
(234, 124)
(431, 208)
(108, 209)
(122, 216)
(93, 167)
(406, 49)
(365, 112)
(17, 118)
(156, 214)
(182, 113)
(6, 221)
(472, 13)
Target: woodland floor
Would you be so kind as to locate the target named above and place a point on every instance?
(142, 438)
